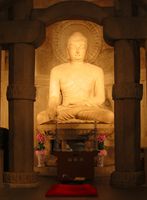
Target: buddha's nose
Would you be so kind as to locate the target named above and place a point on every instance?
(77, 51)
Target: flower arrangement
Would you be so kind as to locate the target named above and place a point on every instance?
(101, 137)
(101, 149)
(40, 142)
(101, 145)
(40, 149)
(102, 152)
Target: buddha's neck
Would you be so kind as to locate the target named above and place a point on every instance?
(77, 63)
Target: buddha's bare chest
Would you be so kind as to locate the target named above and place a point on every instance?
(76, 79)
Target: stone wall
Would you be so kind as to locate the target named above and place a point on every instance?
(4, 83)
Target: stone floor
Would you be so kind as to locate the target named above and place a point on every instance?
(47, 177)
(105, 192)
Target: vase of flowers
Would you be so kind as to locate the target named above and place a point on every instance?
(40, 151)
(101, 150)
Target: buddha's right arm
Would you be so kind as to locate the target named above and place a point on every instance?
(52, 108)
(54, 94)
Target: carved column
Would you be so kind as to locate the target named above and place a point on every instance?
(21, 96)
(127, 93)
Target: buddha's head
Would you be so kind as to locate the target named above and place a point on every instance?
(77, 46)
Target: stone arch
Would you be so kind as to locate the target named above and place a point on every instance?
(74, 10)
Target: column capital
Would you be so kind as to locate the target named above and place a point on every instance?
(127, 91)
(124, 28)
(21, 92)
(22, 31)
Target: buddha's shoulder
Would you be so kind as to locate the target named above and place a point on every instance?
(94, 68)
(60, 68)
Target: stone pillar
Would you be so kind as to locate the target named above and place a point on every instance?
(127, 93)
(21, 96)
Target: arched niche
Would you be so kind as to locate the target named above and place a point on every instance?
(54, 18)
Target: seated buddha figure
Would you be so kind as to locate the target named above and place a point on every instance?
(76, 89)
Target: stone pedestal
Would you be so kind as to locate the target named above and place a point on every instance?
(21, 179)
(127, 179)
(66, 132)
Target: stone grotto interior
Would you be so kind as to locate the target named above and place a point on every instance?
(72, 87)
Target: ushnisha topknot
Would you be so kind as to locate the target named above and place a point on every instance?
(77, 36)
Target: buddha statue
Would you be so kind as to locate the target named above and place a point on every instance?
(76, 89)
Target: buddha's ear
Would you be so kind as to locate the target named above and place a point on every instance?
(86, 56)
(67, 53)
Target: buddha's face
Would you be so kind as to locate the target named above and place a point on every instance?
(77, 47)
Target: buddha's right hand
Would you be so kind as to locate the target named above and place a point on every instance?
(52, 114)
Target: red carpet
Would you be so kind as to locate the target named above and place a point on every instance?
(71, 190)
